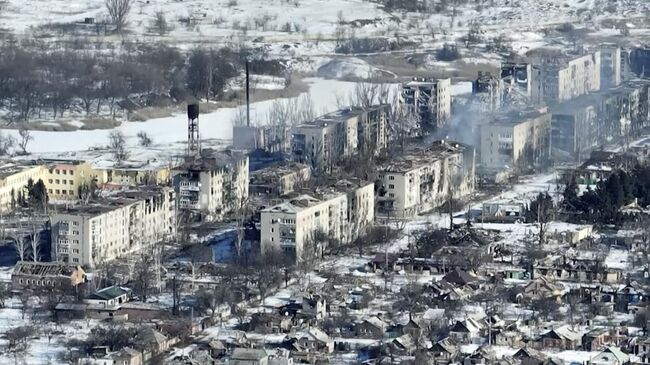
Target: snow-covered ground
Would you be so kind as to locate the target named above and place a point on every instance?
(168, 130)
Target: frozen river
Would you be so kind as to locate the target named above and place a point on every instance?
(168, 130)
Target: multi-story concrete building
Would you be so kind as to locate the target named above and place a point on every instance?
(302, 226)
(610, 66)
(487, 92)
(516, 140)
(575, 128)
(565, 76)
(332, 137)
(212, 185)
(13, 180)
(425, 178)
(137, 174)
(521, 83)
(430, 99)
(103, 231)
(280, 179)
(63, 178)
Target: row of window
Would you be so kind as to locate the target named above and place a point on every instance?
(60, 192)
(64, 182)
(64, 172)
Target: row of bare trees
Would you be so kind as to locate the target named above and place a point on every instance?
(37, 84)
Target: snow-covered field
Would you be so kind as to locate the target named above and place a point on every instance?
(166, 131)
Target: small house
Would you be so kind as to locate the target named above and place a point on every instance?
(113, 296)
(611, 356)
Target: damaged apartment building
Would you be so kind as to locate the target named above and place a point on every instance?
(424, 178)
(301, 226)
(113, 227)
(566, 76)
(516, 139)
(328, 139)
(521, 84)
(429, 99)
(487, 92)
(581, 125)
(213, 184)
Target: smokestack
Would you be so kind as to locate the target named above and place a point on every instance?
(248, 100)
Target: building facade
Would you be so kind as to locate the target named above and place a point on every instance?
(13, 180)
(521, 83)
(212, 185)
(575, 128)
(430, 99)
(424, 179)
(103, 231)
(302, 226)
(64, 178)
(610, 66)
(516, 140)
(330, 138)
(565, 77)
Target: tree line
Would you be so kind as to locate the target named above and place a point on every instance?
(44, 84)
(602, 203)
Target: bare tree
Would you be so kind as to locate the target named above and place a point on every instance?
(25, 137)
(144, 140)
(7, 142)
(118, 10)
(35, 243)
(143, 274)
(160, 24)
(18, 339)
(20, 245)
(117, 144)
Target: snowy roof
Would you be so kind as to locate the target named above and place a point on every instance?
(315, 334)
(603, 358)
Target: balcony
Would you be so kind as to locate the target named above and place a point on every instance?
(189, 186)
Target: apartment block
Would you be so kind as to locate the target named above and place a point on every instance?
(430, 99)
(63, 178)
(487, 92)
(521, 83)
(13, 180)
(566, 76)
(516, 139)
(332, 137)
(575, 128)
(114, 227)
(212, 185)
(140, 174)
(423, 179)
(301, 226)
(610, 66)
(279, 179)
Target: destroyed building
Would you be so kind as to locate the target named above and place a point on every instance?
(213, 184)
(422, 179)
(429, 99)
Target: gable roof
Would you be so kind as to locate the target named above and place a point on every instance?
(112, 292)
(619, 355)
(315, 334)
(447, 344)
(459, 277)
(151, 336)
(564, 333)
